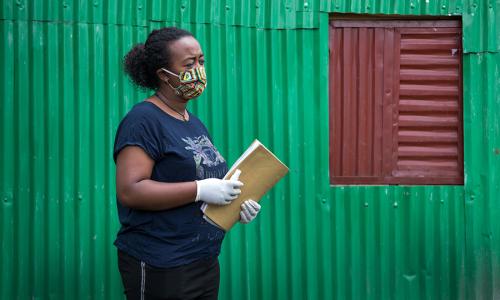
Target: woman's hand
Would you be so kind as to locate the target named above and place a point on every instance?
(219, 191)
(249, 210)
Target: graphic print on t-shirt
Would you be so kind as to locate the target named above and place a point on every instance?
(205, 156)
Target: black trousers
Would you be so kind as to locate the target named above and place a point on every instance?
(198, 280)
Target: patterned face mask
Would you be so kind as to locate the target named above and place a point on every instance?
(193, 82)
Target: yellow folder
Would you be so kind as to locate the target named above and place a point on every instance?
(260, 171)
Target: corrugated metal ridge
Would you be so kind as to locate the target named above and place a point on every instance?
(172, 23)
(480, 32)
(252, 14)
(153, 23)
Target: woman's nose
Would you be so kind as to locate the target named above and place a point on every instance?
(197, 63)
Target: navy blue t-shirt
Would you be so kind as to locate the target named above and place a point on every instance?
(182, 151)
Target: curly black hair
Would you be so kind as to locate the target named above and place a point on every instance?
(143, 60)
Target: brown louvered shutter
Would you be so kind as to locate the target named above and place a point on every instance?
(395, 102)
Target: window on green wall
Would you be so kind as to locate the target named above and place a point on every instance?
(395, 102)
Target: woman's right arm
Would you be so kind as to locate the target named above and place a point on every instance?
(135, 189)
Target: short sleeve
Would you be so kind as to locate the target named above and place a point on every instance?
(140, 133)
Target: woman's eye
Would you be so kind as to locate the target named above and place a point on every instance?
(202, 62)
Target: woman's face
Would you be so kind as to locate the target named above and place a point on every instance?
(185, 53)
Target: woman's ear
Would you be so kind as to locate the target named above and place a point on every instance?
(162, 75)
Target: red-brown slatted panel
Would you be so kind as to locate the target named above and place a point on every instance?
(357, 71)
(429, 139)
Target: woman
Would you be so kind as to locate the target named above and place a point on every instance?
(166, 167)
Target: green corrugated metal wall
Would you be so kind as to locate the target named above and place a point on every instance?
(63, 94)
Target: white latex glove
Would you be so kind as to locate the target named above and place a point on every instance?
(249, 210)
(219, 191)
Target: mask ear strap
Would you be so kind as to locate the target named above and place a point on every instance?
(168, 81)
(176, 90)
(171, 73)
